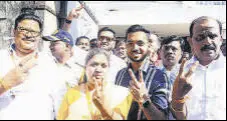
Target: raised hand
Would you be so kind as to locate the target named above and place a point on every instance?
(182, 83)
(137, 87)
(18, 74)
(75, 13)
(98, 96)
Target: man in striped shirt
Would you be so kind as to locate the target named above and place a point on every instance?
(147, 84)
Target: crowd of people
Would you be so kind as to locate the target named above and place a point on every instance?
(144, 77)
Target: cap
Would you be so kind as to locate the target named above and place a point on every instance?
(61, 35)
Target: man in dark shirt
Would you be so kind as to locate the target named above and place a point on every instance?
(147, 84)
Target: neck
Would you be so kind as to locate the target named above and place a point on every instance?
(207, 62)
(136, 65)
(63, 60)
(22, 54)
(168, 68)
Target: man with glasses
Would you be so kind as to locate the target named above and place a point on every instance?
(28, 79)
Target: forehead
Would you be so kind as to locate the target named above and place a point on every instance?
(57, 42)
(173, 44)
(137, 36)
(107, 34)
(206, 25)
(83, 40)
(28, 23)
(99, 58)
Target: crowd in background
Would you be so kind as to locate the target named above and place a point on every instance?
(141, 77)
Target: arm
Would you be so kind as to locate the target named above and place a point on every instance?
(17, 75)
(141, 95)
(181, 88)
(121, 111)
(152, 112)
(74, 13)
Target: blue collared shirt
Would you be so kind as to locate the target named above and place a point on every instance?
(156, 82)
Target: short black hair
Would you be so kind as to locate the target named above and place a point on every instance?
(169, 39)
(28, 14)
(137, 28)
(81, 37)
(106, 29)
(203, 18)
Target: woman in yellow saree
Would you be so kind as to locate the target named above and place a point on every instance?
(94, 98)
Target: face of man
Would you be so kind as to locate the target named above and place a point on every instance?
(27, 36)
(171, 53)
(84, 44)
(106, 40)
(154, 42)
(137, 46)
(121, 51)
(206, 40)
(59, 49)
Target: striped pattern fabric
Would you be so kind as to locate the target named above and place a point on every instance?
(156, 82)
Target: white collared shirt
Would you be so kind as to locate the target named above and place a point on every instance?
(71, 72)
(37, 97)
(208, 95)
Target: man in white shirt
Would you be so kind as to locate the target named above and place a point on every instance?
(205, 85)
(61, 46)
(29, 83)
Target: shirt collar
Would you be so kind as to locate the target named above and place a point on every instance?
(219, 62)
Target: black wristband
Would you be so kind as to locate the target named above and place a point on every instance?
(68, 21)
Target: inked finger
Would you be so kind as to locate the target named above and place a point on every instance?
(192, 69)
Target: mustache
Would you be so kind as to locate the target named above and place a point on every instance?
(135, 51)
(28, 39)
(208, 47)
(169, 54)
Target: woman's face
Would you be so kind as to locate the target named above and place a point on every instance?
(96, 68)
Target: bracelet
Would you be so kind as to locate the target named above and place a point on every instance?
(3, 84)
(181, 100)
(68, 21)
(181, 111)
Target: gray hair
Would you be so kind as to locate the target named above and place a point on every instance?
(97, 51)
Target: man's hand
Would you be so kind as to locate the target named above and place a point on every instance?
(75, 13)
(18, 74)
(138, 88)
(182, 83)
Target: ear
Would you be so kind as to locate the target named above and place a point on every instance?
(14, 32)
(189, 39)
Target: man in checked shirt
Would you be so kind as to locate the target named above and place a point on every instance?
(147, 84)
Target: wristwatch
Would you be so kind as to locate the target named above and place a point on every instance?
(68, 21)
(147, 101)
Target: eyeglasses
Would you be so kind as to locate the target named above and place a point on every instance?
(101, 38)
(26, 31)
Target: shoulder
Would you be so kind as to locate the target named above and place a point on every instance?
(117, 60)
(73, 94)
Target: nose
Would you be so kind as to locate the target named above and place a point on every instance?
(98, 69)
(208, 40)
(135, 47)
(170, 51)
